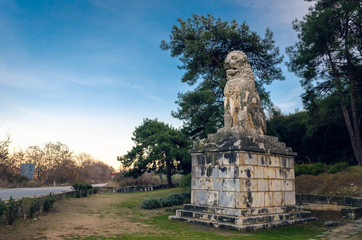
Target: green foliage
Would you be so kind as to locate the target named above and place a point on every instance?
(338, 167)
(159, 148)
(318, 136)
(328, 59)
(82, 189)
(151, 203)
(2, 207)
(11, 211)
(48, 203)
(201, 43)
(95, 190)
(317, 168)
(168, 201)
(35, 206)
(186, 182)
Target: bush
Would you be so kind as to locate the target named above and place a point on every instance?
(11, 211)
(24, 207)
(338, 167)
(35, 206)
(317, 168)
(2, 207)
(186, 182)
(48, 203)
(82, 189)
(168, 201)
(95, 190)
(152, 203)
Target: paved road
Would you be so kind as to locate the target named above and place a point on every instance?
(31, 192)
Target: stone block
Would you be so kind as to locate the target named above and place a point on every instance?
(212, 172)
(263, 185)
(227, 199)
(200, 172)
(201, 161)
(287, 185)
(289, 198)
(231, 184)
(275, 185)
(262, 160)
(212, 198)
(274, 161)
(258, 199)
(246, 172)
(269, 172)
(267, 199)
(250, 159)
(202, 183)
(259, 172)
(231, 158)
(200, 197)
(243, 200)
(249, 185)
(218, 184)
(209, 159)
(226, 171)
(276, 199)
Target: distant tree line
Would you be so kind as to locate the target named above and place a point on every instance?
(54, 162)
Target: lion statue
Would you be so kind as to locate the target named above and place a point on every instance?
(242, 106)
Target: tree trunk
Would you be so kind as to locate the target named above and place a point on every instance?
(168, 170)
(354, 134)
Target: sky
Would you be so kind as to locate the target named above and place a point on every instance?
(87, 72)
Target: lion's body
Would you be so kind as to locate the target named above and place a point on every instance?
(242, 102)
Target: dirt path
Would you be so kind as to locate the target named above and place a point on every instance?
(92, 216)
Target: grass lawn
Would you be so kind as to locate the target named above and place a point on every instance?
(119, 216)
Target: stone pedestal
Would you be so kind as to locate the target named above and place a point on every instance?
(243, 182)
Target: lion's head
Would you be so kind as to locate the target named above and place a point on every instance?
(235, 62)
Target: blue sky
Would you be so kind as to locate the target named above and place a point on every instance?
(87, 72)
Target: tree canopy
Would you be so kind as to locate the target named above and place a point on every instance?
(328, 59)
(158, 147)
(201, 43)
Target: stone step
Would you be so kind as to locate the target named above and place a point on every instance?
(251, 227)
(240, 220)
(242, 212)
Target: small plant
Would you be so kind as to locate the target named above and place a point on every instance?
(338, 167)
(35, 206)
(24, 207)
(11, 211)
(95, 190)
(186, 182)
(151, 203)
(48, 203)
(168, 201)
(2, 207)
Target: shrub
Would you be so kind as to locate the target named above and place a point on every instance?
(48, 203)
(168, 201)
(35, 206)
(2, 207)
(90, 191)
(151, 203)
(318, 168)
(95, 190)
(338, 167)
(186, 182)
(24, 207)
(11, 211)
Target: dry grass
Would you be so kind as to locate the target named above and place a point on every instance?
(345, 183)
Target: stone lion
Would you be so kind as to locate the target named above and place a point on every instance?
(242, 106)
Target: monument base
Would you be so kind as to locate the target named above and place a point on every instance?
(244, 182)
(243, 219)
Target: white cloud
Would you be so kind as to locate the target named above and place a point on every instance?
(278, 11)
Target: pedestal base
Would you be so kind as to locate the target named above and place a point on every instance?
(243, 219)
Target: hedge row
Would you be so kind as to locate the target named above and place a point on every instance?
(168, 201)
(28, 207)
(317, 168)
(25, 207)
